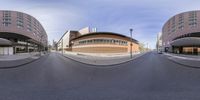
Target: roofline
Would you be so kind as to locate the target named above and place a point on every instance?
(65, 34)
(8, 42)
(178, 14)
(94, 33)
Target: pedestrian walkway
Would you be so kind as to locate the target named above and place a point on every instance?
(11, 61)
(187, 60)
(18, 56)
(101, 59)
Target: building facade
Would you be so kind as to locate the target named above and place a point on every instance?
(181, 33)
(97, 42)
(159, 42)
(24, 31)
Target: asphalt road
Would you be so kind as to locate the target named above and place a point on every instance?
(53, 77)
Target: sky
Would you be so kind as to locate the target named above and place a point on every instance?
(145, 17)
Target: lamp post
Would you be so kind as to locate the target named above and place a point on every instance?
(131, 30)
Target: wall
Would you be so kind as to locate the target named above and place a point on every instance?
(6, 50)
(101, 49)
(135, 47)
(168, 35)
(37, 30)
(104, 48)
(63, 43)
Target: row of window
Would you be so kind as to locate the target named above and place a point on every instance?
(6, 18)
(192, 22)
(20, 18)
(20, 21)
(20, 25)
(101, 41)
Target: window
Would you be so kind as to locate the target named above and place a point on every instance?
(102, 41)
(6, 18)
(192, 19)
(20, 22)
(173, 26)
(181, 21)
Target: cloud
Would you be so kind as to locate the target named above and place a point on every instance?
(146, 17)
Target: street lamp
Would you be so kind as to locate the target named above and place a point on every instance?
(131, 30)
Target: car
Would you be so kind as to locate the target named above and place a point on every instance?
(159, 52)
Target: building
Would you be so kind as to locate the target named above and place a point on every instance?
(5, 47)
(24, 32)
(54, 45)
(96, 42)
(159, 42)
(181, 33)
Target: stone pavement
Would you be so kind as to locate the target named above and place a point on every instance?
(101, 59)
(186, 60)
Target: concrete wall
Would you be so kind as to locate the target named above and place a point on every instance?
(63, 43)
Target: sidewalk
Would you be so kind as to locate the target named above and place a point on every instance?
(101, 59)
(12, 61)
(17, 56)
(186, 60)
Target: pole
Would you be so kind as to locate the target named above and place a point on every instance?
(131, 30)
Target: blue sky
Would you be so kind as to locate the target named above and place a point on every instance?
(146, 17)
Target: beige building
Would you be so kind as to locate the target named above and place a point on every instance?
(97, 42)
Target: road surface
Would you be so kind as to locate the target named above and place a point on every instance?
(54, 77)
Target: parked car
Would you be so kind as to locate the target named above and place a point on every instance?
(159, 52)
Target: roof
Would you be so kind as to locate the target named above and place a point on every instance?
(109, 33)
(65, 34)
(187, 41)
(5, 42)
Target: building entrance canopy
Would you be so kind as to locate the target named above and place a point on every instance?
(187, 41)
(5, 42)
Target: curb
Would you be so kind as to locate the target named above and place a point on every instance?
(107, 64)
(182, 64)
(15, 66)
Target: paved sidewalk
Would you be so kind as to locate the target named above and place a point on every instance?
(187, 60)
(101, 59)
(13, 61)
(17, 56)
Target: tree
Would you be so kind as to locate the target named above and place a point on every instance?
(142, 47)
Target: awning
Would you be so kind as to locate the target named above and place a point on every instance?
(5, 42)
(187, 41)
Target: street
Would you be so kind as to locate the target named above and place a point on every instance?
(54, 77)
